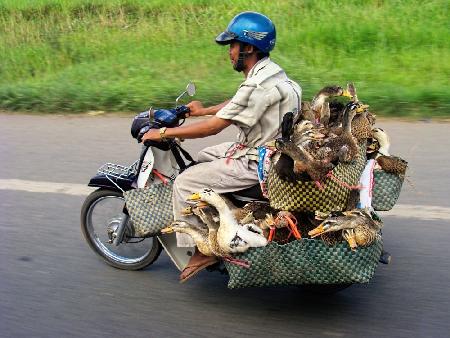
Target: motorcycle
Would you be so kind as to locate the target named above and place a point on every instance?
(105, 222)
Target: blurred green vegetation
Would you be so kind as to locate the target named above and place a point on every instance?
(123, 55)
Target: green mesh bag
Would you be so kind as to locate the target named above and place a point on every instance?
(305, 261)
(150, 208)
(306, 196)
(386, 190)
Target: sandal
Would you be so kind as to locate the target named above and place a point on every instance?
(197, 263)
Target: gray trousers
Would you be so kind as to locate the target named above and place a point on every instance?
(214, 171)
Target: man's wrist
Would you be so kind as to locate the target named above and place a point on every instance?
(162, 133)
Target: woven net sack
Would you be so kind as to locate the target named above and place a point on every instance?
(305, 261)
(150, 208)
(386, 190)
(306, 196)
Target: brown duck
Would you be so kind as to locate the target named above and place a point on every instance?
(304, 162)
(357, 226)
(391, 164)
(320, 107)
(344, 147)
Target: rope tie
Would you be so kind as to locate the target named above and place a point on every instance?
(160, 176)
(232, 150)
(239, 262)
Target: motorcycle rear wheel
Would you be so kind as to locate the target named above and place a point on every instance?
(101, 212)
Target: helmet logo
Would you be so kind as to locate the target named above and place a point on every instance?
(255, 35)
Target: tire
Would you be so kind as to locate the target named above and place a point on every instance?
(325, 289)
(116, 256)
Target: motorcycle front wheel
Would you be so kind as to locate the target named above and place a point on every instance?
(101, 214)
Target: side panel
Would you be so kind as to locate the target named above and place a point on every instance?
(179, 256)
(146, 168)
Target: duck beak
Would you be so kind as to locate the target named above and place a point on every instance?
(318, 136)
(186, 211)
(317, 231)
(168, 230)
(194, 197)
(361, 108)
(346, 93)
(201, 204)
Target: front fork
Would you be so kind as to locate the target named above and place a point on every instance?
(117, 235)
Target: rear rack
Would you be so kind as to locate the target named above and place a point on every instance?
(118, 171)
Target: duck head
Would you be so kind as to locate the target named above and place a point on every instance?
(303, 126)
(351, 92)
(348, 115)
(327, 92)
(189, 210)
(209, 196)
(383, 140)
(180, 226)
(332, 91)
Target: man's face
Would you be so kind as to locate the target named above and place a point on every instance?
(234, 52)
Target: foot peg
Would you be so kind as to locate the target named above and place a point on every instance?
(385, 257)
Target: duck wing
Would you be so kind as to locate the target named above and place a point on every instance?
(392, 164)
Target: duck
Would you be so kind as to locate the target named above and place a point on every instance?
(362, 124)
(283, 219)
(364, 120)
(232, 237)
(344, 147)
(287, 125)
(306, 112)
(351, 90)
(388, 163)
(282, 163)
(252, 211)
(336, 113)
(199, 234)
(304, 162)
(300, 129)
(206, 213)
(320, 107)
(358, 227)
(372, 147)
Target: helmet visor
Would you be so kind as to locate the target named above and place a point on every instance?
(225, 38)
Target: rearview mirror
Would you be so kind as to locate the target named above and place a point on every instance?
(190, 89)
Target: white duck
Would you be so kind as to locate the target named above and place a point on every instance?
(231, 236)
(389, 163)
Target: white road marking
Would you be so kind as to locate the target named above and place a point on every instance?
(46, 187)
(424, 212)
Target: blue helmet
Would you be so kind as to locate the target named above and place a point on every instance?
(252, 28)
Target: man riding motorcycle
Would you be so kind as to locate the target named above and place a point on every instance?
(257, 109)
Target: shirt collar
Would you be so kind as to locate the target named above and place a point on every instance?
(258, 66)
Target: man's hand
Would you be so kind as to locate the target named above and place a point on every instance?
(196, 108)
(152, 135)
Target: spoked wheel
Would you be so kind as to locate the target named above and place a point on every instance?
(101, 214)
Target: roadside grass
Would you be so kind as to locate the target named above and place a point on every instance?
(124, 55)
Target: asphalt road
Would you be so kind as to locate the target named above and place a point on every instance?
(52, 285)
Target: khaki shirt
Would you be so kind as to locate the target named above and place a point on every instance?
(259, 105)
